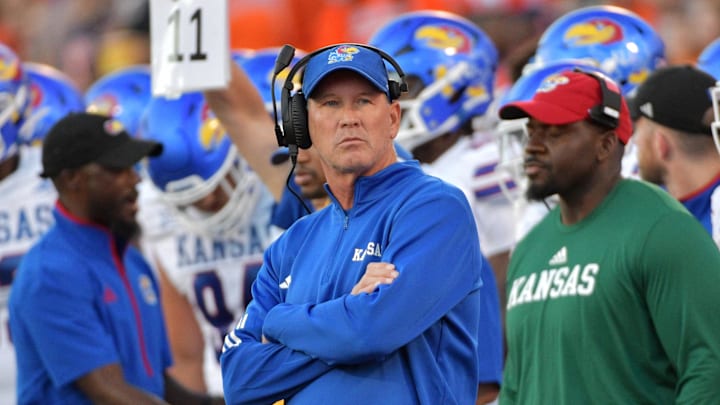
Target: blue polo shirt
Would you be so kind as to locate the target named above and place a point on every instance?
(83, 299)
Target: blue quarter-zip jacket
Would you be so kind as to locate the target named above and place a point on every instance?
(411, 342)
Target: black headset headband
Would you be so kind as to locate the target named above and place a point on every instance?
(608, 112)
(304, 61)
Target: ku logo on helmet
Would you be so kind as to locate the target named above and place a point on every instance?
(451, 39)
(9, 67)
(594, 32)
(211, 131)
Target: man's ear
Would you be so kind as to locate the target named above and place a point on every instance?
(662, 144)
(395, 116)
(608, 145)
(70, 179)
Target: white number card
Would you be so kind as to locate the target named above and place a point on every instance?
(189, 45)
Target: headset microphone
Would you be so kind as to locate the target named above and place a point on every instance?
(283, 60)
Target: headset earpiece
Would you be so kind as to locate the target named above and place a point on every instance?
(395, 89)
(286, 111)
(608, 112)
(299, 120)
(287, 136)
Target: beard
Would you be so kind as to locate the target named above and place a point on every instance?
(124, 229)
(539, 191)
(115, 216)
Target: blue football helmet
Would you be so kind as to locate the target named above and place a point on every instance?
(260, 66)
(198, 157)
(709, 59)
(512, 134)
(53, 95)
(240, 55)
(14, 101)
(454, 62)
(615, 39)
(122, 94)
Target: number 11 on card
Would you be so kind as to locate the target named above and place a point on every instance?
(189, 42)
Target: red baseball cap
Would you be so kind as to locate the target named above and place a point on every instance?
(567, 97)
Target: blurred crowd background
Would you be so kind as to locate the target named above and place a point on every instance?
(89, 38)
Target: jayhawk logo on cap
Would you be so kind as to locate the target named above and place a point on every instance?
(105, 104)
(444, 37)
(211, 132)
(593, 32)
(113, 127)
(343, 53)
(551, 82)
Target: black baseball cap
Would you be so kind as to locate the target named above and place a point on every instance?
(82, 138)
(677, 97)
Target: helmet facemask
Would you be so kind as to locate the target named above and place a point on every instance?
(441, 107)
(512, 137)
(715, 125)
(240, 185)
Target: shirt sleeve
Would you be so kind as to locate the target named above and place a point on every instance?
(682, 286)
(257, 373)
(439, 261)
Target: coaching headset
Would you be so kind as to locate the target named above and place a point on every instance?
(294, 133)
(608, 112)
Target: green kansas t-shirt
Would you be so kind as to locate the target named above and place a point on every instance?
(620, 308)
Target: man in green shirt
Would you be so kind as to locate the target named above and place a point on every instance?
(613, 296)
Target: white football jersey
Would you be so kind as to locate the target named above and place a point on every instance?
(629, 165)
(471, 166)
(25, 215)
(214, 272)
(715, 215)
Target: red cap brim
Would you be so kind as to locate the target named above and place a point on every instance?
(544, 112)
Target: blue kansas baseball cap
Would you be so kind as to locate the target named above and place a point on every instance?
(363, 61)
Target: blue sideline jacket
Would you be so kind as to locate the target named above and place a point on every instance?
(411, 342)
(82, 300)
